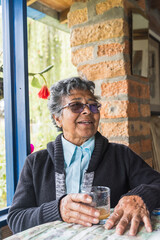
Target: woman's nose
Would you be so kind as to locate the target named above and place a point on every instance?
(86, 110)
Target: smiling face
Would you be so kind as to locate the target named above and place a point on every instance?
(78, 127)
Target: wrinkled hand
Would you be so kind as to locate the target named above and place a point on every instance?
(130, 209)
(74, 210)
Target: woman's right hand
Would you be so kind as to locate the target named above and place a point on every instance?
(74, 209)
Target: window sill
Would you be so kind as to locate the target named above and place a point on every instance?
(3, 216)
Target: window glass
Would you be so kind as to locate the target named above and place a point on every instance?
(2, 128)
(47, 46)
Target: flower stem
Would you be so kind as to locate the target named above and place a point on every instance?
(43, 79)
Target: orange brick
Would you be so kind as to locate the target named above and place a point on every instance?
(115, 88)
(146, 145)
(119, 142)
(135, 147)
(104, 6)
(138, 90)
(145, 110)
(126, 128)
(132, 110)
(111, 49)
(139, 128)
(119, 109)
(104, 70)
(114, 129)
(149, 162)
(132, 88)
(82, 55)
(96, 32)
(144, 79)
(77, 17)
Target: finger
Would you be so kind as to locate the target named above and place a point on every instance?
(84, 209)
(80, 197)
(134, 226)
(147, 223)
(113, 219)
(83, 217)
(78, 221)
(123, 223)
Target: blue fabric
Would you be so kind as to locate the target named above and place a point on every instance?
(76, 162)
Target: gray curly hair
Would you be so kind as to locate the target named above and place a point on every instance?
(62, 89)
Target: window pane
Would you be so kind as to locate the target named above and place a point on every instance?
(46, 46)
(2, 128)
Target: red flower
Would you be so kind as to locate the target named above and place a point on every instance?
(44, 92)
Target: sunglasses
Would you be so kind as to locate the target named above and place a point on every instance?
(78, 107)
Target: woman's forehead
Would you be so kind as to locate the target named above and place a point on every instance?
(89, 98)
(79, 95)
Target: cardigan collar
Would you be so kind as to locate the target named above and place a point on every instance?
(55, 151)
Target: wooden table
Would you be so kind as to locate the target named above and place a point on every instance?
(63, 231)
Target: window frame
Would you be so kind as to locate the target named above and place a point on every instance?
(16, 93)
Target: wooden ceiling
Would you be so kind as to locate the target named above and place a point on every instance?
(58, 5)
(62, 7)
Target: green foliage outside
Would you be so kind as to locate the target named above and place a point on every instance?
(46, 46)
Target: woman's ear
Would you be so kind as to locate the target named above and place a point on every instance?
(57, 120)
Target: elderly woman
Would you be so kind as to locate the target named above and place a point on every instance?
(52, 179)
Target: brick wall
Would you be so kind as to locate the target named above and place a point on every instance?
(101, 50)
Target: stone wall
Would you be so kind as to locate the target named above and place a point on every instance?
(101, 50)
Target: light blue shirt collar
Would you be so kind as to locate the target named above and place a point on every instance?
(69, 148)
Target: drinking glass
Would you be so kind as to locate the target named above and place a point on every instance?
(100, 200)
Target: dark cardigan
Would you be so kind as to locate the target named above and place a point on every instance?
(42, 181)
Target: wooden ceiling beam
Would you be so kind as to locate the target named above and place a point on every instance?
(46, 10)
(58, 5)
(63, 16)
(29, 2)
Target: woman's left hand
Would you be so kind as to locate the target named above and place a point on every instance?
(129, 210)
